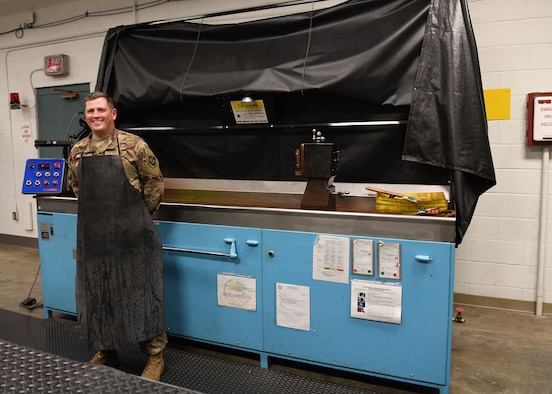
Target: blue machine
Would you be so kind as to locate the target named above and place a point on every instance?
(253, 279)
(57, 242)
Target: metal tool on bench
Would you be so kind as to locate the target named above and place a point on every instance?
(317, 161)
(393, 194)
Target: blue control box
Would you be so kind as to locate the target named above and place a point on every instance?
(44, 176)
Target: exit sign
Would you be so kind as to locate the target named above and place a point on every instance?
(56, 65)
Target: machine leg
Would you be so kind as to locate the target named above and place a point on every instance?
(264, 360)
(48, 314)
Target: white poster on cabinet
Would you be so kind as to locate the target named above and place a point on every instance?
(293, 306)
(363, 257)
(330, 259)
(377, 301)
(236, 291)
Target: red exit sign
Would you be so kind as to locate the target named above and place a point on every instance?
(56, 65)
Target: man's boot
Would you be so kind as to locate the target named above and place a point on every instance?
(154, 367)
(106, 357)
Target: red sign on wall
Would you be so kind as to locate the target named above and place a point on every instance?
(56, 65)
(539, 119)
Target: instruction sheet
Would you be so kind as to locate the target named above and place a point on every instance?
(377, 301)
(330, 260)
(363, 257)
(293, 306)
(389, 260)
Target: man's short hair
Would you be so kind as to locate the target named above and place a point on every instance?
(97, 95)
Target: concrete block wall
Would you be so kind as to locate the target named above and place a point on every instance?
(498, 257)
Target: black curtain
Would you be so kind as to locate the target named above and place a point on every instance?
(447, 126)
(409, 60)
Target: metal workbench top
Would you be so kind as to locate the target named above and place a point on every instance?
(410, 227)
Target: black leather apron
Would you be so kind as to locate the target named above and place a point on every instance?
(119, 284)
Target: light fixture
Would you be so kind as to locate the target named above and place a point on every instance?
(15, 103)
(247, 99)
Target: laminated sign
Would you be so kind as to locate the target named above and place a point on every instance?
(250, 112)
(539, 119)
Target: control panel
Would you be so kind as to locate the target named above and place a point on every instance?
(44, 176)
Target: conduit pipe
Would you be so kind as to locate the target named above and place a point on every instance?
(542, 229)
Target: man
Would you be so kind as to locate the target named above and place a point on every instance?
(119, 285)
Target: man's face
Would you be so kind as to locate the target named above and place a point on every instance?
(99, 117)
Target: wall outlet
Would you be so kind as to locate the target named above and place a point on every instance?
(15, 215)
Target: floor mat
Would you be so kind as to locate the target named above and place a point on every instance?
(45, 347)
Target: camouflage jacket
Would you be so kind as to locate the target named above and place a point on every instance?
(139, 162)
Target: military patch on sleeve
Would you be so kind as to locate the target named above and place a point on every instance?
(152, 161)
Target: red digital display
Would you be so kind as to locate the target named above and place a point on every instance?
(44, 166)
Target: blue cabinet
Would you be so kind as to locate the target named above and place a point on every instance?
(221, 287)
(194, 256)
(57, 242)
(417, 349)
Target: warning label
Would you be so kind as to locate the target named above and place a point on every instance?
(542, 126)
(249, 113)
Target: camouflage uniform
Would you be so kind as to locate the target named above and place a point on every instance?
(140, 164)
(143, 173)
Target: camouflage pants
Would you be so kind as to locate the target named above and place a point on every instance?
(154, 346)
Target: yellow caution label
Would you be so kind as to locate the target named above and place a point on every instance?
(241, 106)
(249, 113)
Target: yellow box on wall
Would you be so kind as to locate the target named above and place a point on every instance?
(497, 103)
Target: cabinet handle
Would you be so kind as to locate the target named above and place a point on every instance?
(252, 242)
(232, 254)
(423, 259)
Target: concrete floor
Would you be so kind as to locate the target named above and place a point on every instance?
(494, 351)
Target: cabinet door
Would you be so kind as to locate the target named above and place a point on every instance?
(57, 242)
(416, 349)
(210, 296)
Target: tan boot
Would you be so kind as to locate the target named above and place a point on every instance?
(106, 357)
(154, 367)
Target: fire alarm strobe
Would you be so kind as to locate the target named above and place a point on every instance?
(539, 119)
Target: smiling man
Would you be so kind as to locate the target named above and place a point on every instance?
(119, 283)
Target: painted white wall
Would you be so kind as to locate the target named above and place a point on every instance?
(498, 257)
(21, 62)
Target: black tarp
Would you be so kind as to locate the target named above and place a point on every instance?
(412, 60)
(447, 126)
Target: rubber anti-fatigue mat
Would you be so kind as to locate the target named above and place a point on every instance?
(25, 370)
(185, 370)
